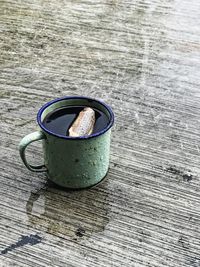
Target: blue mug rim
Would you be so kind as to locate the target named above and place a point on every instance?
(79, 137)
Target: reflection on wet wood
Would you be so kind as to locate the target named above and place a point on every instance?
(142, 57)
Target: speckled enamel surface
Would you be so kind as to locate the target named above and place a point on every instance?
(77, 163)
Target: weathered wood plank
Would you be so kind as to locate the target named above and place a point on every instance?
(142, 57)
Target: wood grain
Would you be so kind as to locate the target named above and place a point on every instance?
(141, 57)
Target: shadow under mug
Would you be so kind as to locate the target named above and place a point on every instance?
(72, 162)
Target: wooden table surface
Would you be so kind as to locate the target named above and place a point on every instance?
(143, 58)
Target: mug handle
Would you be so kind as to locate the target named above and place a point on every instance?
(28, 139)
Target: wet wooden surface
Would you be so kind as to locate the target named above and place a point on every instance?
(142, 58)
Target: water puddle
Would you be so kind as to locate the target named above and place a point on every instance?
(71, 213)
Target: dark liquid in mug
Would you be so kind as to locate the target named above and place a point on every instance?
(60, 120)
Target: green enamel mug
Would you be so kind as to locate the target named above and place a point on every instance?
(72, 162)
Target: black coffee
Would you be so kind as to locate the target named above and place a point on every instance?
(60, 120)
